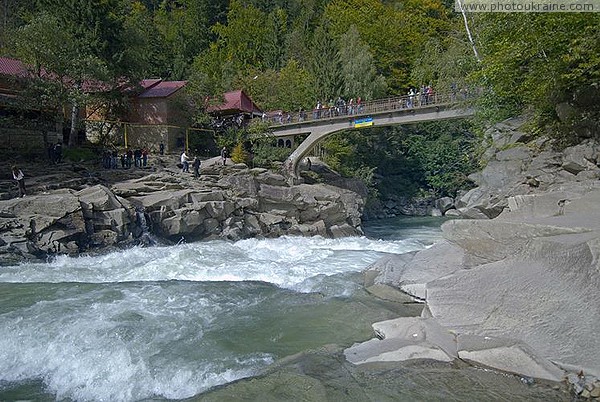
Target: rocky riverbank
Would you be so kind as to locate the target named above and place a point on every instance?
(74, 208)
(518, 287)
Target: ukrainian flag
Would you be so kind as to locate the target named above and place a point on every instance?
(366, 122)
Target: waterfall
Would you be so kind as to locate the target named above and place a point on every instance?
(145, 236)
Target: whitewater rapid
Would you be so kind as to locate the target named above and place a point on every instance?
(172, 322)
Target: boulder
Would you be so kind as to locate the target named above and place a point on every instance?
(444, 204)
(231, 202)
(507, 355)
(403, 339)
(411, 272)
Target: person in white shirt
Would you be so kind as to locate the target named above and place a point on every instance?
(20, 178)
(185, 161)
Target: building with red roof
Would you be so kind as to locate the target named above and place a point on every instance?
(11, 71)
(29, 127)
(155, 115)
(153, 104)
(235, 103)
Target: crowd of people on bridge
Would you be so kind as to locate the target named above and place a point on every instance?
(419, 96)
(415, 97)
(338, 108)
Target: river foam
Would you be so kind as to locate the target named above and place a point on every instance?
(284, 261)
(172, 322)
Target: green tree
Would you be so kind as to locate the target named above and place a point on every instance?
(60, 68)
(85, 47)
(185, 30)
(445, 154)
(245, 36)
(433, 157)
(358, 72)
(275, 41)
(394, 31)
(296, 88)
(152, 57)
(11, 17)
(446, 63)
(526, 67)
(239, 154)
(325, 64)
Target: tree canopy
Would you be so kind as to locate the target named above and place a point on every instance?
(289, 54)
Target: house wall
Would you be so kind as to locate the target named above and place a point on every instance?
(23, 130)
(150, 111)
(149, 122)
(156, 120)
(150, 137)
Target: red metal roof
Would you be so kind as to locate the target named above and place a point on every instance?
(16, 68)
(160, 89)
(149, 83)
(12, 67)
(235, 101)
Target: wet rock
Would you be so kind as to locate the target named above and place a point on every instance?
(404, 339)
(444, 204)
(231, 202)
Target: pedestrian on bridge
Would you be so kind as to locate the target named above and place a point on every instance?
(411, 98)
(317, 111)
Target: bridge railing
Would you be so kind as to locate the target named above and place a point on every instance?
(343, 110)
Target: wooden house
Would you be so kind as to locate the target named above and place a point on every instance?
(237, 109)
(21, 126)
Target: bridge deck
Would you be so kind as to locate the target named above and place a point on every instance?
(343, 111)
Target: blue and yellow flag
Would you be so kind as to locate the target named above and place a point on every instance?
(368, 121)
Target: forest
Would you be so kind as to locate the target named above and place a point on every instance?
(290, 54)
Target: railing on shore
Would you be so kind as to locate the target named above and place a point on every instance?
(343, 109)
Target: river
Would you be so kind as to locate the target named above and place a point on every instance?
(189, 321)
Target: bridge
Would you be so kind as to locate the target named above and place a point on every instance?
(323, 122)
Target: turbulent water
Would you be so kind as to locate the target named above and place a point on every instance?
(173, 322)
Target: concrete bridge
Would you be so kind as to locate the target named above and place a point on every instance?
(320, 123)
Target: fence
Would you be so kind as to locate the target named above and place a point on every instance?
(132, 135)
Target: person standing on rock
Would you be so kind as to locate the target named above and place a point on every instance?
(196, 166)
(185, 162)
(224, 155)
(20, 178)
(58, 153)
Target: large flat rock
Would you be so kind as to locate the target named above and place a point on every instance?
(530, 277)
(402, 339)
(507, 355)
(547, 296)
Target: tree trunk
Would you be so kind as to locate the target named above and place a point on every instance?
(74, 133)
(464, 14)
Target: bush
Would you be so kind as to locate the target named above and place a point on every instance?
(81, 154)
(239, 154)
(267, 155)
